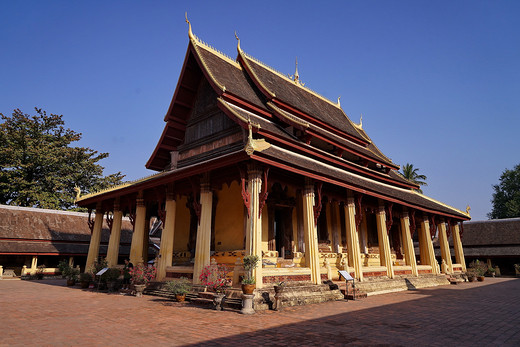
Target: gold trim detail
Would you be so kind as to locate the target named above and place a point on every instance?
(254, 145)
(288, 115)
(242, 118)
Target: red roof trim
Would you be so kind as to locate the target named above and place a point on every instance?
(331, 159)
(348, 186)
(313, 120)
(326, 139)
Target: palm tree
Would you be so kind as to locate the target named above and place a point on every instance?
(410, 173)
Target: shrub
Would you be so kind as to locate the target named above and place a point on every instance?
(215, 277)
(179, 287)
(142, 274)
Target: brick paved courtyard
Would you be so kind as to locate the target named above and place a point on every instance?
(49, 313)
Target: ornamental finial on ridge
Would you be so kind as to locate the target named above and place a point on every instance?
(190, 33)
(238, 44)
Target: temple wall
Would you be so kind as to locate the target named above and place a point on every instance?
(229, 219)
(182, 225)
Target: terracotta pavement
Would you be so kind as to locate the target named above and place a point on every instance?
(47, 313)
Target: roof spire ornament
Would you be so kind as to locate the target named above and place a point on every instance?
(468, 208)
(361, 120)
(339, 104)
(238, 44)
(296, 75)
(190, 33)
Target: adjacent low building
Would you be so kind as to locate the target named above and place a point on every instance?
(495, 241)
(30, 237)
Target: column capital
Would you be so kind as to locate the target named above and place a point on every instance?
(309, 186)
(117, 204)
(139, 202)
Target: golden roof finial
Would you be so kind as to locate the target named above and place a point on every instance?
(361, 121)
(339, 104)
(296, 75)
(468, 208)
(238, 44)
(190, 33)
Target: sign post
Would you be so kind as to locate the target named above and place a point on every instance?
(347, 278)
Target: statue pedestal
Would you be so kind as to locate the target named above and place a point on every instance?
(247, 304)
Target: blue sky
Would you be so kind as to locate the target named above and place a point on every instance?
(437, 82)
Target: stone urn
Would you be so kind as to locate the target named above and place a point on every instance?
(84, 284)
(248, 288)
(70, 282)
(480, 278)
(218, 300)
(139, 289)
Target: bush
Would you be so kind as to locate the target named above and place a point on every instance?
(478, 268)
(179, 287)
(86, 277)
(111, 275)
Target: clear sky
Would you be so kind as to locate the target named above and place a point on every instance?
(437, 82)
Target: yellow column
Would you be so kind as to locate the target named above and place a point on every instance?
(167, 236)
(337, 227)
(115, 236)
(203, 243)
(445, 246)
(146, 238)
(457, 246)
(428, 245)
(136, 248)
(254, 221)
(354, 255)
(409, 251)
(384, 243)
(312, 257)
(93, 249)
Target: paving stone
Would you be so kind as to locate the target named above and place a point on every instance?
(36, 313)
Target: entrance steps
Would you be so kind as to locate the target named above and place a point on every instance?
(296, 294)
(383, 285)
(354, 293)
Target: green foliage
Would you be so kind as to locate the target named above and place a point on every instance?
(478, 268)
(179, 287)
(86, 277)
(250, 262)
(110, 275)
(412, 175)
(98, 265)
(40, 168)
(506, 198)
(68, 271)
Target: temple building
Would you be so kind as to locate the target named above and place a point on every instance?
(251, 161)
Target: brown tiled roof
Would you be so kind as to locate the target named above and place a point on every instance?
(228, 74)
(304, 100)
(492, 232)
(38, 230)
(367, 186)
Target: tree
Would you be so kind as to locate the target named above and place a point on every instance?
(40, 168)
(506, 198)
(411, 174)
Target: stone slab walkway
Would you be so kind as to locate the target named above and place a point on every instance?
(47, 313)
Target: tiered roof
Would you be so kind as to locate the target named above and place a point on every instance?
(292, 119)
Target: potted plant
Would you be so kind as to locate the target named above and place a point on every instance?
(479, 268)
(110, 277)
(517, 270)
(85, 278)
(72, 276)
(141, 276)
(248, 283)
(214, 277)
(472, 275)
(179, 288)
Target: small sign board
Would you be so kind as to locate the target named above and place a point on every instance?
(345, 275)
(102, 271)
